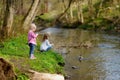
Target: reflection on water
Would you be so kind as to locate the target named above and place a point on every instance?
(102, 62)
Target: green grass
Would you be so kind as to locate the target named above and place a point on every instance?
(16, 51)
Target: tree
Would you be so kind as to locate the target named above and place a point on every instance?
(90, 8)
(8, 18)
(1, 10)
(71, 12)
(30, 14)
(19, 6)
(46, 5)
(99, 9)
(80, 11)
(70, 2)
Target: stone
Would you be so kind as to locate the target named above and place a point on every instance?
(74, 67)
(46, 76)
(67, 77)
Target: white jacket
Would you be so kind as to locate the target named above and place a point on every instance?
(45, 45)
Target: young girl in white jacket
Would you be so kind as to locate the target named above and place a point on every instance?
(45, 45)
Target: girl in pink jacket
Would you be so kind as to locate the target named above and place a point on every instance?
(32, 40)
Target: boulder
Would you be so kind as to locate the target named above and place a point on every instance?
(46, 76)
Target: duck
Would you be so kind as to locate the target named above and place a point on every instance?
(80, 58)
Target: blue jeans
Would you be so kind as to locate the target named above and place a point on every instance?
(48, 48)
(32, 47)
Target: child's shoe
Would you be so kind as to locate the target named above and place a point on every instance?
(32, 56)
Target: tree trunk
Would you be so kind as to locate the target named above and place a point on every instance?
(2, 10)
(80, 12)
(115, 2)
(19, 5)
(100, 7)
(8, 19)
(46, 6)
(71, 13)
(31, 14)
(66, 14)
(70, 2)
(90, 8)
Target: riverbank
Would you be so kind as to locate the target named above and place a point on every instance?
(97, 24)
(15, 51)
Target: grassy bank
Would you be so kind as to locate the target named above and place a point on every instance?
(16, 51)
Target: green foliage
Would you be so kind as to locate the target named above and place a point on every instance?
(98, 23)
(86, 26)
(103, 23)
(16, 50)
(48, 17)
(22, 77)
(101, 17)
(109, 28)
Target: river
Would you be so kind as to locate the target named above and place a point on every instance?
(100, 62)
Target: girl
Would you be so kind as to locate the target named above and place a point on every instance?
(45, 46)
(32, 40)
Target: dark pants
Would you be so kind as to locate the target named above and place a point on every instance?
(48, 48)
(32, 47)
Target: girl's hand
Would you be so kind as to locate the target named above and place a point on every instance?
(36, 34)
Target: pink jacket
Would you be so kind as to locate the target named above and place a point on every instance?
(32, 37)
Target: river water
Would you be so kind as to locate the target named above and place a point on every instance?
(100, 62)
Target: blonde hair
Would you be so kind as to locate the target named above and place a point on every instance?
(32, 26)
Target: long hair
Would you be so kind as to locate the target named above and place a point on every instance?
(45, 37)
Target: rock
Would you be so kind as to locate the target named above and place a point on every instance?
(6, 70)
(74, 67)
(67, 77)
(46, 76)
